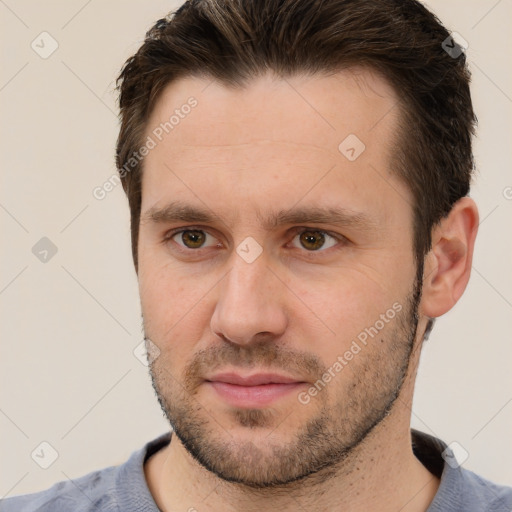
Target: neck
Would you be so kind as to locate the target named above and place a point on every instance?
(382, 473)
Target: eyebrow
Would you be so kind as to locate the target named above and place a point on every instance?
(177, 211)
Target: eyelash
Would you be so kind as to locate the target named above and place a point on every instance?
(296, 231)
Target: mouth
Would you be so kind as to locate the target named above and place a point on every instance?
(252, 391)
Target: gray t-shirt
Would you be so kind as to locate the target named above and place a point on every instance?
(124, 489)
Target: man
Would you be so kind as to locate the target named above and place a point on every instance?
(298, 175)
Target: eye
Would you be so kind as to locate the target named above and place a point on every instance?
(310, 239)
(193, 239)
(314, 240)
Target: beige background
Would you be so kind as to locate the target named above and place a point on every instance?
(69, 376)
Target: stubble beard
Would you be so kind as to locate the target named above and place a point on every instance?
(321, 447)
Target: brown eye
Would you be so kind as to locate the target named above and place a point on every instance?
(315, 240)
(193, 238)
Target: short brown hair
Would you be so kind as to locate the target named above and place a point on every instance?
(233, 41)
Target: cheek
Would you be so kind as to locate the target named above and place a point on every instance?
(174, 323)
(162, 289)
(170, 304)
(345, 304)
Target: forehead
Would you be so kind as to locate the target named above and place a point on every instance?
(271, 140)
(302, 109)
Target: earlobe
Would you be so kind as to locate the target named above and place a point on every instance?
(448, 263)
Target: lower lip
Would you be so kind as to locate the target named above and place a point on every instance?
(254, 396)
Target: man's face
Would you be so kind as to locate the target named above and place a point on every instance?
(284, 331)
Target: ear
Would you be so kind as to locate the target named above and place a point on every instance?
(448, 264)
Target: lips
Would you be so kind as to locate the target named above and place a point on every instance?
(252, 380)
(252, 391)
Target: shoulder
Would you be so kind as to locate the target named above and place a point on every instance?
(112, 489)
(92, 492)
(481, 494)
(460, 488)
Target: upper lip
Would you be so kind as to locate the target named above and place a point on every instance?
(255, 379)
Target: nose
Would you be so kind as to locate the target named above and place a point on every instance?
(249, 303)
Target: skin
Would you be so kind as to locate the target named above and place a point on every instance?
(242, 154)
